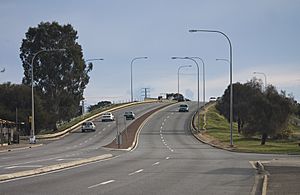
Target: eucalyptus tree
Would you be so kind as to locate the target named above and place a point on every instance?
(59, 77)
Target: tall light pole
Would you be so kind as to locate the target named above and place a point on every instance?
(131, 83)
(198, 105)
(264, 76)
(180, 67)
(231, 90)
(203, 66)
(32, 138)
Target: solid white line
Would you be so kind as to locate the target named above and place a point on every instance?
(34, 161)
(67, 159)
(138, 171)
(157, 163)
(23, 166)
(102, 183)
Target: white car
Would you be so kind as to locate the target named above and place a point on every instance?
(88, 126)
(212, 99)
(107, 117)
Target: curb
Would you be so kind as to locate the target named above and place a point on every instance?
(193, 129)
(261, 170)
(142, 124)
(51, 168)
(137, 135)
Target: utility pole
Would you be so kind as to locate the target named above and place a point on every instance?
(146, 92)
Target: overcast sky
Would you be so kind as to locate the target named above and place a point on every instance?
(265, 36)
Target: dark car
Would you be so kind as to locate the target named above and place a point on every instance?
(183, 108)
(129, 115)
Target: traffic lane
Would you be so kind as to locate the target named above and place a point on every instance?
(57, 153)
(86, 176)
(141, 169)
(153, 154)
(189, 170)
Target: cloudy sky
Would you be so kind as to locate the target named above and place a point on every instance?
(264, 34)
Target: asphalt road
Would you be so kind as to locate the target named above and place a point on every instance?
(167, 160)
(75, 146)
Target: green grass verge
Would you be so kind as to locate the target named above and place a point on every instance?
(78, 119)
(218, 128)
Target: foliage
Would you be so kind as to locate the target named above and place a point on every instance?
(15, 104)
(256, 110)
(218, 130)
(60, 77)
(99, 105)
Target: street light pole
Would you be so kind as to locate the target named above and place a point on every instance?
(264, 76)
(203, 77)
(231, 90)
(131, 82)
(198, 105)
(178, 76)
(32, 139)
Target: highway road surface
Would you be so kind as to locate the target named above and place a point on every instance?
(167, 160)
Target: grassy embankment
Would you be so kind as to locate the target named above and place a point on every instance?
(78, 119)
(217, 127)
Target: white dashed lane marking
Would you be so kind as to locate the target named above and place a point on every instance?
(157, 163)
(102, 183)
(138, 171)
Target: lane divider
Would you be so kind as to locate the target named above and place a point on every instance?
(102, 183)
(138, 171)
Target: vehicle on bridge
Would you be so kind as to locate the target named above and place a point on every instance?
(88, 126)
(129, 115)
(183, 108)
(107, 117)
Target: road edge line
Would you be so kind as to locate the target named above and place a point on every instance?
(137, 135)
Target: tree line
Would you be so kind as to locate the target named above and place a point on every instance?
(258, 110)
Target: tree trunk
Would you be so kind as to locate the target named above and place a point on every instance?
(239, 125)
(264, 138)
